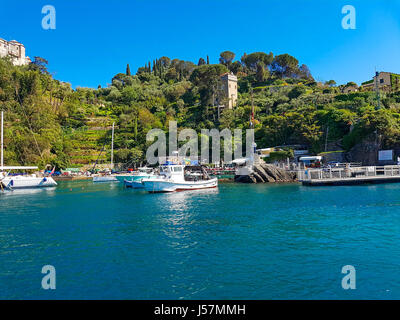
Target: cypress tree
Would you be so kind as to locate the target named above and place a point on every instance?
(208, 60)
(128, 70)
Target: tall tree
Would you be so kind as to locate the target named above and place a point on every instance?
(330, 83)
(226, 58)
(207, 79)
(305, 72)
(201, 62)
(128, 70)
(285, 65)
(208, 60)
(261, 73)
(253, 59)
(39, 64)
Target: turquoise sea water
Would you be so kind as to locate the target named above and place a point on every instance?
(237, 242)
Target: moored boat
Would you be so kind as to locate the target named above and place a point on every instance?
(11, 182)
(174, 178)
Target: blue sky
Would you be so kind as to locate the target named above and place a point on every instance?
(95, 39)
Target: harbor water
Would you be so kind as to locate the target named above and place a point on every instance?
(283, 241)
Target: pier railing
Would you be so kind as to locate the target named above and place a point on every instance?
(348, 173)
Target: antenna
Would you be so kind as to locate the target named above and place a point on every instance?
(252, 110)
(378, 96)
(112, 147)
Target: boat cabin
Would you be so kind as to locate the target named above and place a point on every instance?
(183, 173)
(173, 171)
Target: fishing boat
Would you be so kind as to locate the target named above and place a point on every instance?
(136, 178)
(175, 177)
(11, 182)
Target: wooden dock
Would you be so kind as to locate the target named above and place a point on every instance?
(349, 175)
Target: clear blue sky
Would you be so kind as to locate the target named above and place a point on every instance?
(95, 39)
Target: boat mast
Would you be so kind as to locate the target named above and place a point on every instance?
(112, 147)
(2, 139)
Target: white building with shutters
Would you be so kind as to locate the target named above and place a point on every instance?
(15, 50)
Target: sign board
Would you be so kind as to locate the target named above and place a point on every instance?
(385, 155)
(300, 152)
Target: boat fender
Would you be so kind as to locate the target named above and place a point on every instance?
(44, 179)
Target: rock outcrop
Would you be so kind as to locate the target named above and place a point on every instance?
(267, 173)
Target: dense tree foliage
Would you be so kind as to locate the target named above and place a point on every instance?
(47, 122)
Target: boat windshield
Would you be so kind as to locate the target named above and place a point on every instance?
(163, 169)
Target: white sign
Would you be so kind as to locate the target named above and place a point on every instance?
(385, 155)
(300, 152)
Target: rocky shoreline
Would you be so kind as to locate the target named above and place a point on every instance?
(267, 173)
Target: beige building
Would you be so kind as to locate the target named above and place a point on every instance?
(385, 81)
(350, 88)
(15, 50)
(229, 89)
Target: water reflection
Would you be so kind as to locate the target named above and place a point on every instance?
(179, 218)
(18, 192)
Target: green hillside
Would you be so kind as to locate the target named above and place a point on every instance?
(47, 122)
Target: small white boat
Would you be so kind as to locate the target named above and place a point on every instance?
(9, 182)
(174, 178)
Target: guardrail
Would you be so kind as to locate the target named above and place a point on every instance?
(348, 173)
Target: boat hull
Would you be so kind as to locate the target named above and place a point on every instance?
(105, 179)
(21, 182)
(158, 186)
(132, 177)
(134, 184)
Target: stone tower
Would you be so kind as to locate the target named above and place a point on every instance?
(229, 88)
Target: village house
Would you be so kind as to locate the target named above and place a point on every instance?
(350, 87)
(385, 81)
(15, 50)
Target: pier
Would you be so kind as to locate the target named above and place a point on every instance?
(349, 175)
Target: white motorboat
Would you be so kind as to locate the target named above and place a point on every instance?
(174, 177)
(11, 182)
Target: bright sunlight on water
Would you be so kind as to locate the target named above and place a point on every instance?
(235, 242)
